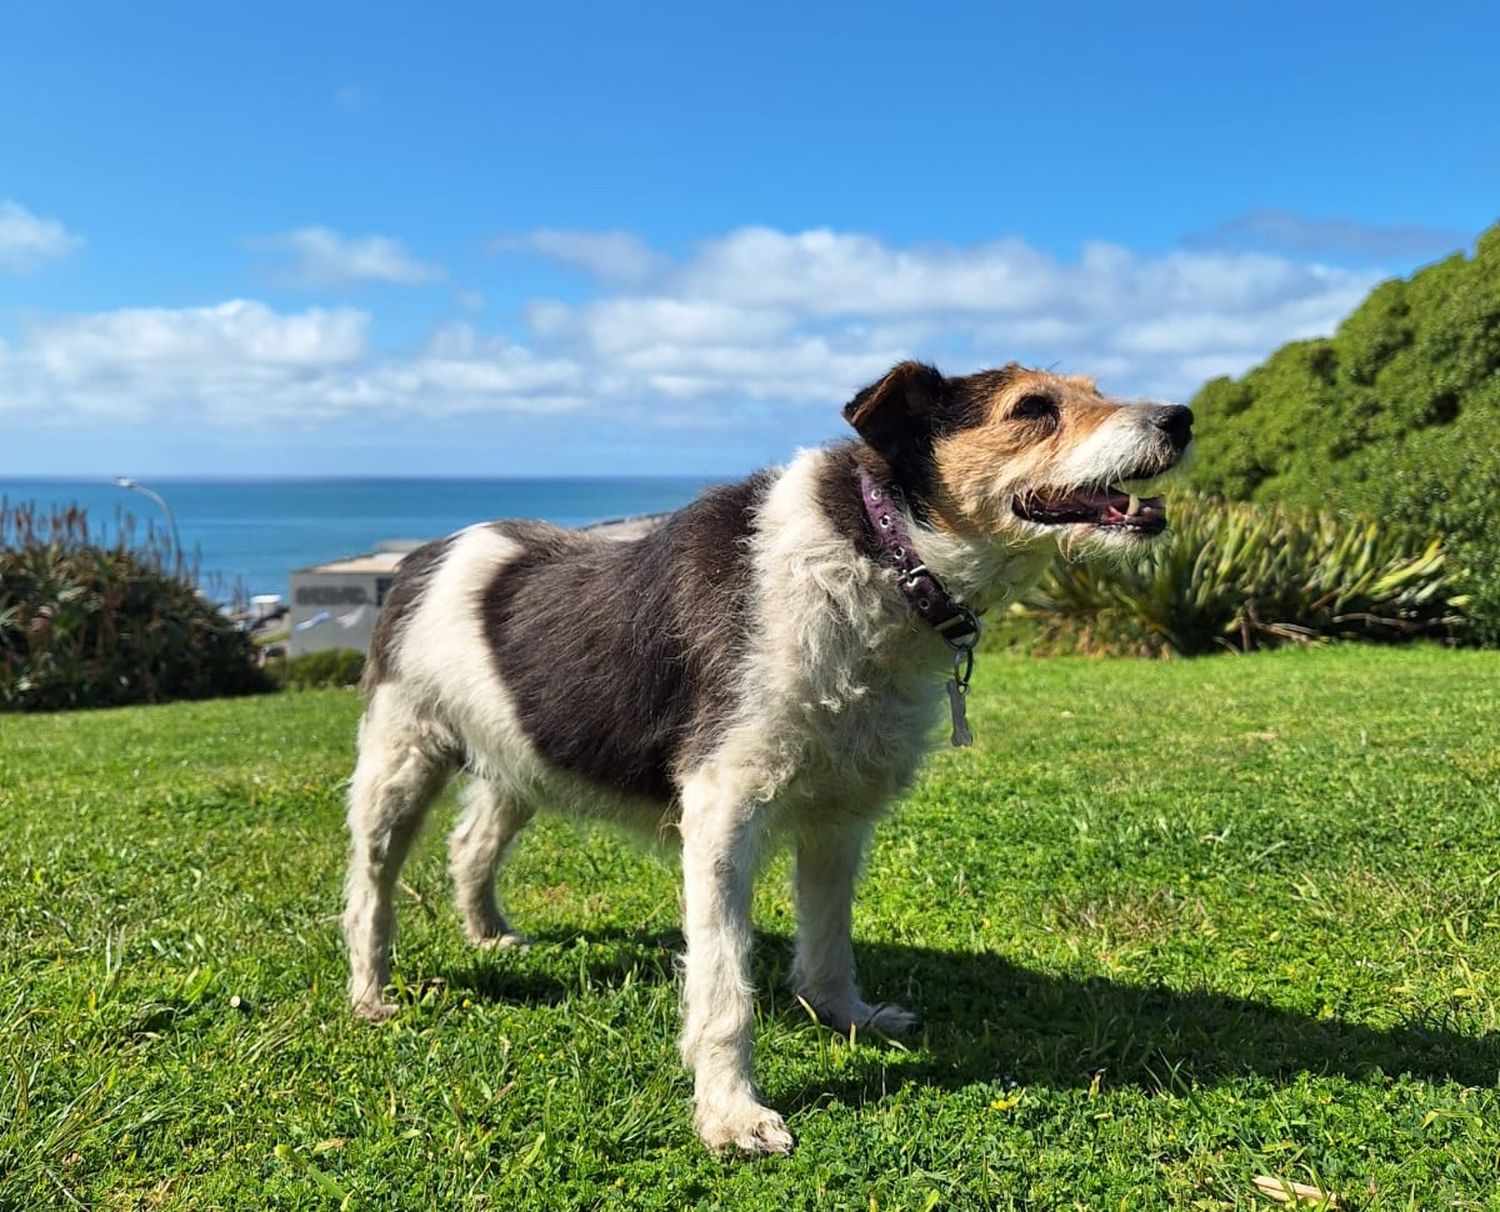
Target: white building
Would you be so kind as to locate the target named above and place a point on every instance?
(334, 605)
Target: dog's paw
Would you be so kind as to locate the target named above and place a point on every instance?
(502, 940)
(890, 1020)
(484, 927)
(374, 1010)
(861, 1016)
(749, 1129)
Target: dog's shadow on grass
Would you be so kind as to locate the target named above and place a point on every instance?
(986, 1020)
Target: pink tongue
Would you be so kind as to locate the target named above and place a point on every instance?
(1111, 505)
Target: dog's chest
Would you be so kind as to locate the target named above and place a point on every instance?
(864, 744)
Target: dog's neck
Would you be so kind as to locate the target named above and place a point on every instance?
(891, 525)
(984, 572)
(979, 571)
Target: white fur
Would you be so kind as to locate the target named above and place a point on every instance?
(836, 716)
(1113, 450)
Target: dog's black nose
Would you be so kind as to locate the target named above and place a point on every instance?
(1176, 421)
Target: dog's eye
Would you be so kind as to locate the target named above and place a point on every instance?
(1034, 408)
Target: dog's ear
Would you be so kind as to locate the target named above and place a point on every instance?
(901, 410)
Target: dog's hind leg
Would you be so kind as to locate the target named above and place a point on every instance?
(720, 841)
(492, 818)
(828, 862)
(401, 769)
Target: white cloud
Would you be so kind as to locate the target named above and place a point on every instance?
(620, 257)
(26, 240)
(824, 272)
(235, 362)
(235, 331)
(806, 317)
(460, 371)
(757, 327)
(242, 364)
(319, 257)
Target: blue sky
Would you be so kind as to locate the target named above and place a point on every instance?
(652, 238)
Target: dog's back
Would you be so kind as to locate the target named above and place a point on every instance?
(616, 657)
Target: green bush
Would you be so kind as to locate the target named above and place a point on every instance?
(92, 624)
(1243, 576)
(1396, 417)
(327, 667)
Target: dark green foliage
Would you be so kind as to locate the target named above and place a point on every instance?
(1396, 417)
(330, 667)
(91, 624)
(1247, 576)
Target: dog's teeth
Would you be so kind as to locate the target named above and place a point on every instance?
(1134, 507)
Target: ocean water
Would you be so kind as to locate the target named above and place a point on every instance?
(249, 534)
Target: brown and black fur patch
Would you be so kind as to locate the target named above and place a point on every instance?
(963, 448)
(1028, 422)
(904, 417)
(620, 657)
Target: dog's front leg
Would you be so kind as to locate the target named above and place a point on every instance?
(828, 862)
(720, 836)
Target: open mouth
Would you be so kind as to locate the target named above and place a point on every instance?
(1117, 507)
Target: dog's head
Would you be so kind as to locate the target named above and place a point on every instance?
(1022, 455)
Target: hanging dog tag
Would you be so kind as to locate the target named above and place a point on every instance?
(959, 710)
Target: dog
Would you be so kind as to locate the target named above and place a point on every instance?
(769, 662)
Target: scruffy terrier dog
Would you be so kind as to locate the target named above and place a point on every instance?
(770, 661)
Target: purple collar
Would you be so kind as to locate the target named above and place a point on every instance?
(950, 618)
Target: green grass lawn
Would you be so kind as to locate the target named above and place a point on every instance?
(1169, 926)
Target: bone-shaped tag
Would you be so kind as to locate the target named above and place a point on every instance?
(958, 708)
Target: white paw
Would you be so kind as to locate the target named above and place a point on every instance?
(749, 1129)
(374, 1010)
(503, 939)
(492, 930)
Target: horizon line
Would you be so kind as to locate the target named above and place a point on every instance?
(107, 481)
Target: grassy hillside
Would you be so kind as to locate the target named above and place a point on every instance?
(1397, 415)
(1171, 925)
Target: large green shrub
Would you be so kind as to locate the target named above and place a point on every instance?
(1396, 418)
(92, 624)
(1246, 576)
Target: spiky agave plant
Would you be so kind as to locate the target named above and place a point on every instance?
(1245, 576)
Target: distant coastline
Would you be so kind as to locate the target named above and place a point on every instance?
(248, 533)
